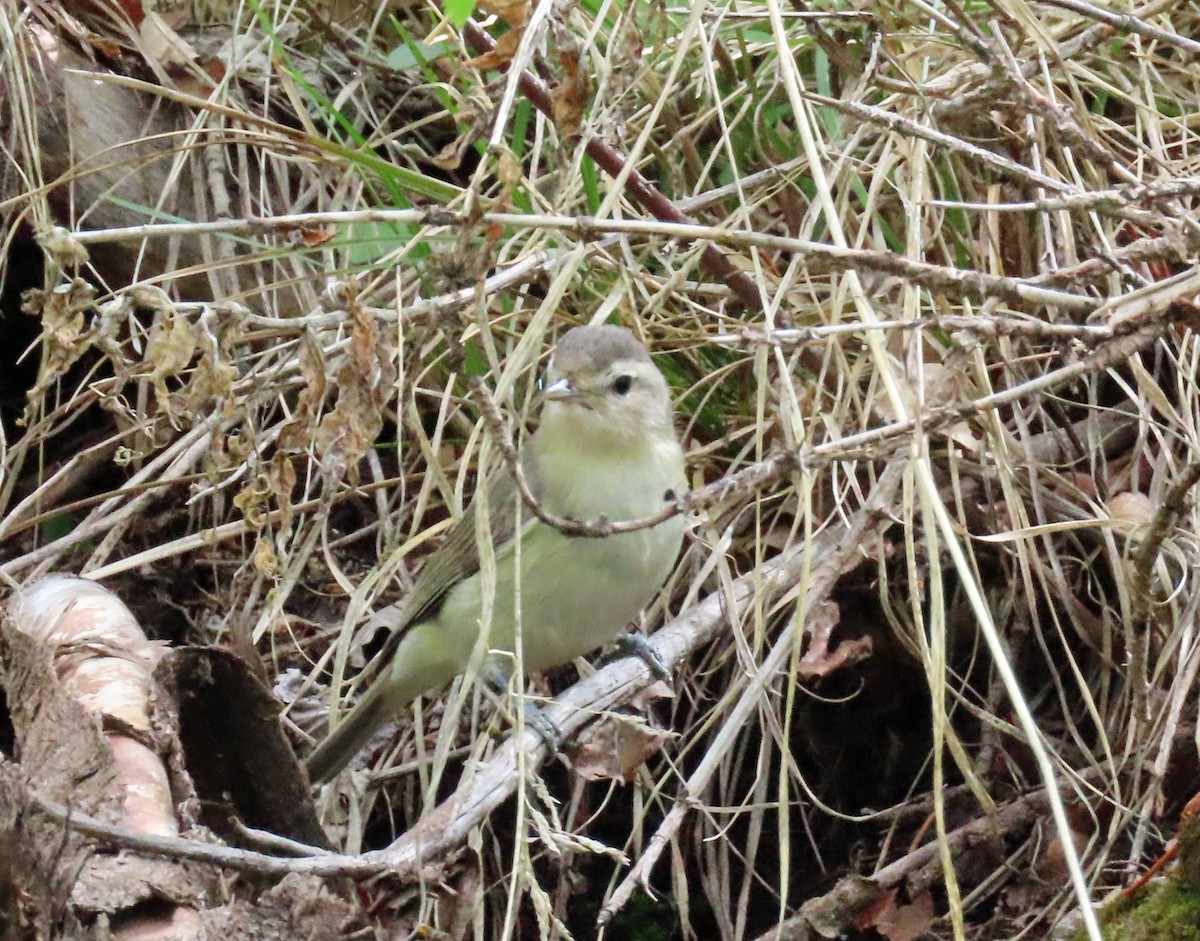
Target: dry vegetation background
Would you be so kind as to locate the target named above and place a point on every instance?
(277, 278)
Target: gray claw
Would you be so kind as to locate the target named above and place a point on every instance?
(635, 645)
(543, 725)
(535, 716)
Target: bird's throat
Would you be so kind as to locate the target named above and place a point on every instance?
(588, 477)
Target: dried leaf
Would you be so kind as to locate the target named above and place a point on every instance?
(281, 474)
(62, 246)
(365, 382)
(818, 659)
(499, 58)
(266, 561)
(1051, 865)
(899, 922)
(161, 43)
(252, 500)
(212, 380)
(509, 173)
(659, 689)
(171, 348)
(1131, 513)
(63, 336)
(450, 156)
(625, 57)
(298, 430)
(514, 12)
(570, 96)
(312, 237)
(615, 748)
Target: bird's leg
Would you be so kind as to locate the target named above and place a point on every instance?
(496, 680)
(636, 645)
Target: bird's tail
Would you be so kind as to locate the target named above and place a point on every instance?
(351, 734)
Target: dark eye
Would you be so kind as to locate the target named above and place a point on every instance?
(622, 384)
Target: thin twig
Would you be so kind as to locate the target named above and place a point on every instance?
(1127, 23)
(821, 256)
(640, 190)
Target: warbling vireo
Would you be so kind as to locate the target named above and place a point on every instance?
(606, 448)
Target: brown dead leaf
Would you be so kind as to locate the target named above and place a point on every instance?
(365, 382)
(501, 55)
(1076, 481)
(509, 174)
(1051, 865)
(570, 96)
(62, 312)
(514, 12)
(105, 14)
(659, 689)
(818, 659)
(898, 922)
(450, 156)
(62, 246)
(211, 382)
(214, 68)
(846, 653)
(312, 237)
(296, 433)
(470, 118)
(616, 747)
(509, 171)
(171, 347)
(1094, 628)
(190, 71)
(266, 562)
(281, 475)
(161, 43)
(818, 626)
(253, 501)
(1131, 513)
(105, 47)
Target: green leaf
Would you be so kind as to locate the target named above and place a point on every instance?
(475, 363)
(57, 526)
(414, 53)
(458, 11)
(591, 183)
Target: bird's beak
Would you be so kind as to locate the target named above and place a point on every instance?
(561, 390)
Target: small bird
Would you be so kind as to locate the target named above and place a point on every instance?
(606, 448)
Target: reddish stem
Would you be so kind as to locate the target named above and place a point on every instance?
(640, 190)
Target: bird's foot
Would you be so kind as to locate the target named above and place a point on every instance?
(535, 716)
(537, 719)
(636, 645)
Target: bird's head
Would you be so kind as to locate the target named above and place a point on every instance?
(602, 383)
